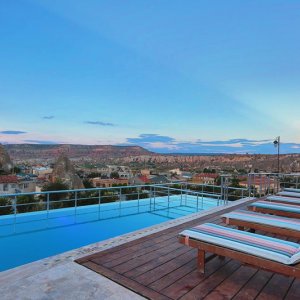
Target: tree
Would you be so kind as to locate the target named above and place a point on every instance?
(5, 206)
(94, 175)
(114, 175)
(58, 185)
(87, 184)
(27, 203)
(235, 182)
(16, 170)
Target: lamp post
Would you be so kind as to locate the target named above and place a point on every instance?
(277, 145)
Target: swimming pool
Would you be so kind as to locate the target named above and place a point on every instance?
(31, 236)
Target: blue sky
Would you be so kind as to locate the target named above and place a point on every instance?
(172, 76)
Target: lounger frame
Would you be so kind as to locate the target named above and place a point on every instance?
(242, 225)
(262, 263)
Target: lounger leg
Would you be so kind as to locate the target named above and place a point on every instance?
(201, 261)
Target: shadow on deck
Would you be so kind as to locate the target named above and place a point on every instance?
(159, 267)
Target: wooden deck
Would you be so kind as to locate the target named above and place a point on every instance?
(159, 267)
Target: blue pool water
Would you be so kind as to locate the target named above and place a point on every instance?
(31, 236)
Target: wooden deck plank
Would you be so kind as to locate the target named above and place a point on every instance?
(294, 291)
(124, 281)
(157, 261)
(210, 283)
(136, 254)
(143, 259)
(232, 284)
(185, 284)
(163, 269)
(276, 288)
(172, 277)
(254, 285)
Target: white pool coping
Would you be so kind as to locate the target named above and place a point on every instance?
(58, 275)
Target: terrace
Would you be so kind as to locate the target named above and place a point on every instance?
(150, 262)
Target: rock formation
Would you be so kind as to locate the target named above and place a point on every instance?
(64, 170)
(5, 162)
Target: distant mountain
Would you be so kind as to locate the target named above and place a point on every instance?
(139, 157)
(34, 151)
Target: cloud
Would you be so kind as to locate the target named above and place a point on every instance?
(40, 142)
(12, 132)
(99, 123)
(48, 117)
(150, 137)
(167, 144)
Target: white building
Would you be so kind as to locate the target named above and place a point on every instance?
(11, 184)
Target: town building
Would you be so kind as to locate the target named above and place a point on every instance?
(109, 182)
(12, 184)
(205, 178)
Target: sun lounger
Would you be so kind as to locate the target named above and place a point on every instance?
(280, 209)
(264, 252)
(291, 190)
(289, 194)
(258, 221)
(288, 200)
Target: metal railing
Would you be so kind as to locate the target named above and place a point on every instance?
(121, 200)
(262, 184)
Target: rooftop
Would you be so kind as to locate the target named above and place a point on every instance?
(147, 263)
(8, 179)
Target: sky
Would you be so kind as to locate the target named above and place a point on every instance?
(195, 76)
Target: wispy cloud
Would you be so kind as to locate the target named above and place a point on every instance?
(167, 144)
(99, 123)
(151, 138)
(40, 142)
(48, 117)
(12, 132)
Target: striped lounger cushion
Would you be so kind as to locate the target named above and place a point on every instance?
(258, 218)
(292, 190)
(276, 206)
(285, 199)
(289, 194)
(254, 244)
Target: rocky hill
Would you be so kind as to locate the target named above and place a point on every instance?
(139, 157)
(5, 161)
(246, 162)
(33, 151)
(64, 170)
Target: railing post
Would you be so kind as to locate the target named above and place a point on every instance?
(249, 184)
(260, 185)
(48, 204)
(99, 204)
(15, 212)
(138, 191)
(154, 197)
(168, 197)
(150, 189)
(75, 205)
(197, 201)
(181, 194)
(120, 195)
(185, 193)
